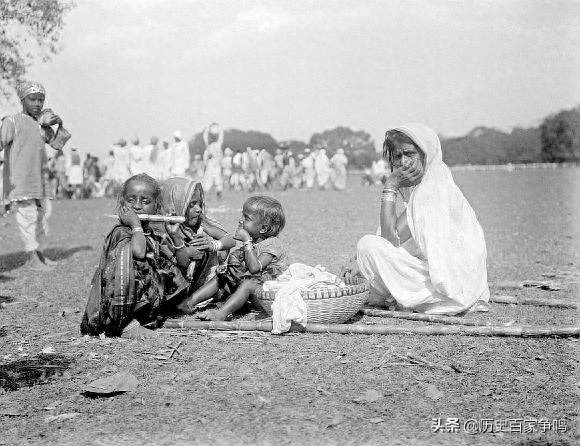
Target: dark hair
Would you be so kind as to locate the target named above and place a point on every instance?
(143, 178)
(270, 211)
(392, 140)
(199, 187)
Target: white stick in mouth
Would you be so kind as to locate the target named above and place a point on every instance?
(153, 217)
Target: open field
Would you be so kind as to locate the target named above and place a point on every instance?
(255, 388)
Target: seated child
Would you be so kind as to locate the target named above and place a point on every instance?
(198, 241)
(137, 271)
(262, 257)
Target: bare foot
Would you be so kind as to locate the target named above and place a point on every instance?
(36, 264)
(137, 331)
(481, 307)
(45, 259)
(212, 315)
(186, 307)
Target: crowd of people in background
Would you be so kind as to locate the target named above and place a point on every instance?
(217, 168)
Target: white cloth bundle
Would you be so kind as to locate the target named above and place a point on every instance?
(288, 305)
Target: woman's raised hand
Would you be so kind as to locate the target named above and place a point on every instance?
(409, 174)
(200, 242)
(129, 217)
(172, 228)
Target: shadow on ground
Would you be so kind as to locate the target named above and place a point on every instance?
(4, 278)
(32, 371)
(14, 260)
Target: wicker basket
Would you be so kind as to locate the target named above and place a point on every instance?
(327, 306)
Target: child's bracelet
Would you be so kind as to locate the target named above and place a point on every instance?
(215, 246)
(177, 247)
(260, 263)
(137, 229)
(248, 245)
(180, 246)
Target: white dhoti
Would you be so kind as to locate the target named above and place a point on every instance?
(211, 177)
(32, 219)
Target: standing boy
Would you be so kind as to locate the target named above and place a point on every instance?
(25, 162)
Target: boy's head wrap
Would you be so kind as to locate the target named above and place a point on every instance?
(29, 87)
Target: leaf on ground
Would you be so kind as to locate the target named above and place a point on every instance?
(370, 396)
(335, 421)
(48, 350)
(263, 399)
(120, 382)
(61, 417)
(432, 392)
(12, 411)
(377, 420)
(52, 405)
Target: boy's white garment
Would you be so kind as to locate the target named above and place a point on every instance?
(32, 219)
(288, 305)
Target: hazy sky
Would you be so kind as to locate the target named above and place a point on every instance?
(293, 68)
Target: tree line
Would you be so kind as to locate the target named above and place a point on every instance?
(557, 139)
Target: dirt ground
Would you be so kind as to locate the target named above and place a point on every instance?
(256, 388)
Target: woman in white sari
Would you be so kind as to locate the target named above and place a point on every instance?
(431, 256)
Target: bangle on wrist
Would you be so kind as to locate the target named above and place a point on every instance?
(176, 247)
(248, 245)
(137, 229)
(388, 196)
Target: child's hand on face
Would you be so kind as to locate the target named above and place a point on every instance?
(242, 235)
(129, 217)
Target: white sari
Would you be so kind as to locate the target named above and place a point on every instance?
(441, 269)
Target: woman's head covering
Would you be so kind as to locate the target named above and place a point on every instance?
(177, 193)
(445, 227)
(29, 87)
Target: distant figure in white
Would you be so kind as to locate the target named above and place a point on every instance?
(227, 166)
(322, 168)
(339, 163)
(149, 155)
(164, 161)
(135, 156)
(121, 171)
(213, 138)
(179, 156)
(74, 172)
(308, 169)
